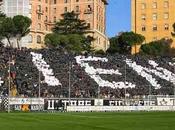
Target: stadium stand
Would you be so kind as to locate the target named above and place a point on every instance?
(90, 76)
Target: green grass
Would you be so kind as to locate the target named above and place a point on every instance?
(88, 121)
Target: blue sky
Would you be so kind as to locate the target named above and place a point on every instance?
(118, 17)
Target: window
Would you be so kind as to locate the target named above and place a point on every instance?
(65, 9)
(54, 19)
(89, 25)
(54, 10)
(39, 8)
(143, 17)
(46, 19)
(154, 38)
(154, 16)
(39, 26)
(77, 0)
(30, 38)
(154, 27)
(46, 1)
(143, 28)
(38, 39)
(143, 6)
(154, 5)
(166, 27)
(89, 8)
(77, 9)
(39, 16)
(166, 4)
(55, 1)
(166, 15)
(65, 1)
(46, 9)
(46, 27)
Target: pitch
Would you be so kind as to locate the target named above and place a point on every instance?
(88, 121)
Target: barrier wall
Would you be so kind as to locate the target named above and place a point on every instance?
(118, 108)
(77, 104)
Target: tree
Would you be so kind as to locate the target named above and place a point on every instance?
(157, 48)
(71, 24)
(71, 42)
(22, 24)
(114, 45)
(173, 33)
(2, 16)
(69, 34)
(7, 29)
(123, 43)
(56, 40)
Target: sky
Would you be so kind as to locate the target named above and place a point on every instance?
(118, 17)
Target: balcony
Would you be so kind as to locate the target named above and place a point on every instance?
(88, 11)
(77, 11)
(49, 22)
(38, 11)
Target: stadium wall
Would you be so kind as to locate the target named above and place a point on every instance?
(118, 108)
(87, 105)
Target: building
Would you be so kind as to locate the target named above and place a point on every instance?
(44, 14)
(153, 18)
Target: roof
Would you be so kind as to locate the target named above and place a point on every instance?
(105, 2)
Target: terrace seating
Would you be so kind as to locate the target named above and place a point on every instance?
(88, 76)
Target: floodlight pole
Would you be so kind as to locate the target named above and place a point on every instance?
(9, 87)
(125, 81)
(149, 94)
(98, 92)
(174, 83)
(39, 88)
(69, 81)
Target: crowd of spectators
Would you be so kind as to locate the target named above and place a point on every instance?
(141, 75)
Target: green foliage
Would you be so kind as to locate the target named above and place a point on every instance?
(22, 24)
(70, 24)
(131, 38)
(157, 48)
(173, 33)
(7, 28)
(16, 27)
(122, 44)
(69, 33)
(114, 45)
(2, 16)
(70, 42)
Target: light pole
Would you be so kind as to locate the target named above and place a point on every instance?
(98, 92)
(174, 82)
(9, 87)
(39, 88)
(125, 80)
(149, 94)
(9, 80)
(69, 81)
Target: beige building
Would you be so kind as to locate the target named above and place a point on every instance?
(44, 14)
(153, 18)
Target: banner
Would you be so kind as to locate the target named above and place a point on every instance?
(165, 101)
(56, 104)
(29, 101)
